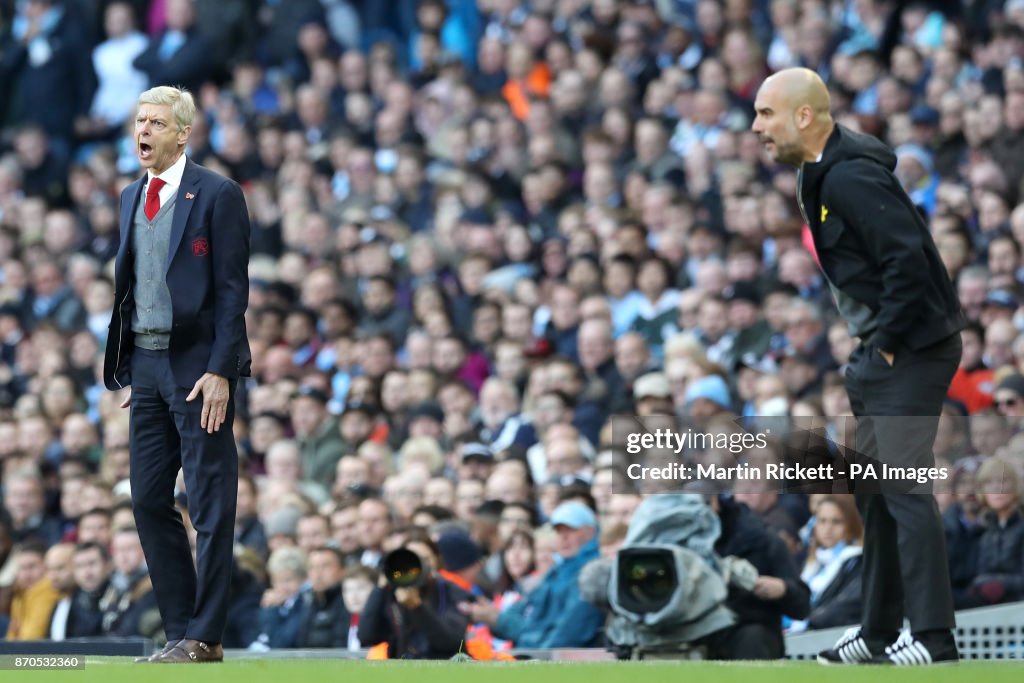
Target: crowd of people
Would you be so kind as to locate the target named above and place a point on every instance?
(481, 228)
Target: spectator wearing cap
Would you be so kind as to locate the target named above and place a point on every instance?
(652, 395)
(925, 121)
(476, 461)
(425, 419)
(916, 172)
(708, 396)
(999, 304)
(461, 561)
(554, 614)
(317, 434)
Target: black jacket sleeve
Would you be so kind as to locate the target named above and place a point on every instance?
(796, 603)
(445, 632)
(374, 626)
(873, 205)
(840, 603)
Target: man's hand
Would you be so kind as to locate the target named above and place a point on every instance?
(889, 357)
(769, 588)
(273, 597)
(481, 611)
(127, 399)
(215, 400)
(408, 598)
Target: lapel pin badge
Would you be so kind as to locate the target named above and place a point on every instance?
(189, 195)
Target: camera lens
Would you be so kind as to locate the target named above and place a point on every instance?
(651, 578)
(647, 579)
(403, 568)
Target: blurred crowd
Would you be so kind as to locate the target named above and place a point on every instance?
(480, 229)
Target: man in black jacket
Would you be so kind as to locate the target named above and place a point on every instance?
(326, 619)
(889, 283)
(421, 622)
(778, 592)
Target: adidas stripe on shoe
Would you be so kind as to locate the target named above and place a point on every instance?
(909, 651)
(851, 648)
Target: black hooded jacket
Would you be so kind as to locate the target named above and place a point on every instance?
(743, 535)
(875, 247)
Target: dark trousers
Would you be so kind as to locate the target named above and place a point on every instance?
(165, 436)
(747, 641)
(897, 408)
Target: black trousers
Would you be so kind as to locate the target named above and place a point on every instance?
(897, 409)
(165, 435)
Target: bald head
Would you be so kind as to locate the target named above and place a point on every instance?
(793, 115)
(799, 87)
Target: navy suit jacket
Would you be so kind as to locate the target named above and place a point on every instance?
(207, 274)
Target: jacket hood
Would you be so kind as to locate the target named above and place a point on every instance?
(843, 145)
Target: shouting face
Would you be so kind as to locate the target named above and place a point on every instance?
(158, 139)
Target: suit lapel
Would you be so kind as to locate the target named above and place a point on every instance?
(128, 210)
(182, 208)
(127, 218)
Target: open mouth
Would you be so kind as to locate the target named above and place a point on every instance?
(145, 150)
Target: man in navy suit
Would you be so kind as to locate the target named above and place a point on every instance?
(177, 334)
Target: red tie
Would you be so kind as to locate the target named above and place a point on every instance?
(153, 197)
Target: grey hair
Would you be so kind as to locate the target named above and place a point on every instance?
(288, 559)
(183, 107)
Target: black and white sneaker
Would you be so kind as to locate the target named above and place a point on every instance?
(852, 648)
(910, 651)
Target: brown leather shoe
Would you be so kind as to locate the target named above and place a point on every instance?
(153, 657)
(192, 652)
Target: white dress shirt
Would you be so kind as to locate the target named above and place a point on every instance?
(172, 176)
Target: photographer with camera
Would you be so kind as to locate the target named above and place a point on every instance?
(413, 613)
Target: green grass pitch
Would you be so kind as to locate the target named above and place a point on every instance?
(114, 670)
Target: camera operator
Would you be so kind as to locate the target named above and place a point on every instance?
(777, 592)
(418, 621)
